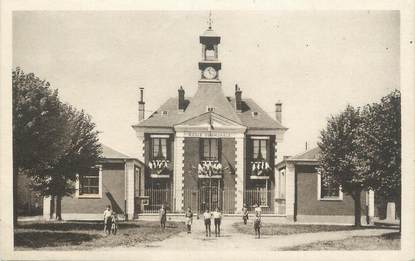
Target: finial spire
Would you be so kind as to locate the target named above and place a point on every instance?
(210, 20)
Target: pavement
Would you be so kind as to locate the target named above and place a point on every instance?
(230, 239)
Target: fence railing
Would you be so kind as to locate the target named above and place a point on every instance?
(158, 197)
(200, 199)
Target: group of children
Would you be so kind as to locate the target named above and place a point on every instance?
(110, 221)
(217, 218)
(257, 219)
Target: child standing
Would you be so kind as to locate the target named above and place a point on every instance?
(189, 220)
(257, 224)
(217, 216)
(163, 216)
(114, 225)
(257, 221)
(245, 214)
(207, 216)
(107, 216)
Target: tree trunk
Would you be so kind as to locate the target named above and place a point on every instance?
(399, 212)
(15, 173)
(58, 208)
(52, 207)
(357, 208)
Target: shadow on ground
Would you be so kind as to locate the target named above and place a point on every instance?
(50, 239)
(70, 225)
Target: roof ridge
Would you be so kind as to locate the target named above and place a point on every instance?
(299, 155)
(108, 152)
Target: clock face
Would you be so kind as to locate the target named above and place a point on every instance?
(209, 73)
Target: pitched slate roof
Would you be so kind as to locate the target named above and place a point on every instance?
(109, 153)
(157, 119)
(211, 95)
(310, 155)
(262, 120)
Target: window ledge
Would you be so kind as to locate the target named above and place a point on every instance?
(90, 196)
(331, 199)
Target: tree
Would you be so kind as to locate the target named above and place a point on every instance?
(81, 151)
(381, 136)
(341, 156)
(52, 141)
(38, 127)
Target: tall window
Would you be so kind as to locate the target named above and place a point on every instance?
(210, 52)
(159, 148)
(210, 149)
(281, 184)
(260, 149)
(329, 190)
(89, 182)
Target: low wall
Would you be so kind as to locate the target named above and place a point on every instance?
(318, 219)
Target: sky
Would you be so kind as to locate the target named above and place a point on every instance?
(314, 62)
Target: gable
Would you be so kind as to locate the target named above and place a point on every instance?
(209, 121)
(210, 95)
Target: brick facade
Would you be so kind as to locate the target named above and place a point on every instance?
(113, 194)
(306, 197)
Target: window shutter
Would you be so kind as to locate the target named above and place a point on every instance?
(168, 148)
(220, 150)
(201, 147)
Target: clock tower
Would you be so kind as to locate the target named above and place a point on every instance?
(209, 66)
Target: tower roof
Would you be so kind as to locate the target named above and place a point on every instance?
(209, 33)
(211, 95)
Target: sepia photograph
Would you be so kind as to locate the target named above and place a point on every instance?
(207, 131)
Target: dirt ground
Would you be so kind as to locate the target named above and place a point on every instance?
(232, 239)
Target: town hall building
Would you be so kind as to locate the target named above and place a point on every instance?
(209, 150)
(205, 152)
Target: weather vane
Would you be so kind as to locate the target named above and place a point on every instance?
(210, 20)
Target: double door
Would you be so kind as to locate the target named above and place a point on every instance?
(210, 194)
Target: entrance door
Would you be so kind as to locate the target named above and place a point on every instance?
(210, 194)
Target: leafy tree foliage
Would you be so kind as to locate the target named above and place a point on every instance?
(52, 140)
(361, 150)
(381, 136)
(341, 162)
(38, 128)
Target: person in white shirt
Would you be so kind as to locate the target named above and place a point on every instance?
(257, 221)
(217, 217)
(207, 216)
(257, 224)
(107, 216)
(257, 209)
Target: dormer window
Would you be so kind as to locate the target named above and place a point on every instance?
(210, 109)
(163, 112)
(255, 113)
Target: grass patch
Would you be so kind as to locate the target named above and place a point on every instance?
(76, 235)
(289, 229)
(390, 241)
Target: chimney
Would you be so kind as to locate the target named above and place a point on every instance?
(278, 111)
(238, 98)
(181, 103)
(141, 104)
